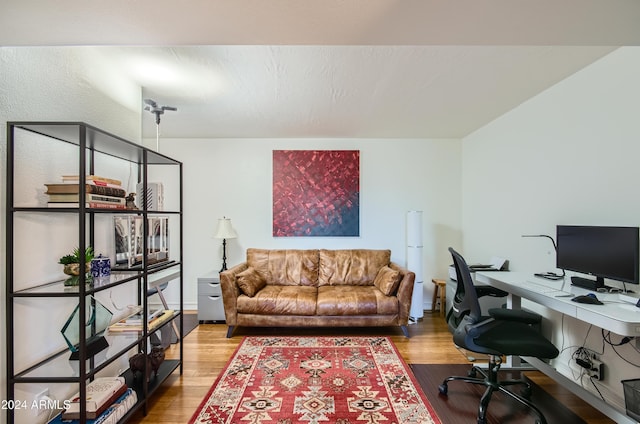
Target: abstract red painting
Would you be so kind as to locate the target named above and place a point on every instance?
(316, 193)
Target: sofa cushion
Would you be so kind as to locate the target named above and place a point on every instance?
(250, 282)
(357, 267)
(285, 267)
(354, 300)
(280, 300)
(387, 280)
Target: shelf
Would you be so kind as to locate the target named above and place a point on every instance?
(92, 210)
(78, 148)
(57, 288)
(151, 269)
(97, 140)
(156, 276)
(138, 333)
(166, 369)
(61, 368)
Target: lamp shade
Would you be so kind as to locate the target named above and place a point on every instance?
(414, 228)
(225, 230)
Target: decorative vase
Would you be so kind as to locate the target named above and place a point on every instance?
(74, 269)
(100, 267)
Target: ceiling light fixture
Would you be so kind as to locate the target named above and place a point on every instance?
(153, 107)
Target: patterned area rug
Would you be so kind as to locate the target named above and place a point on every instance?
(317, 380)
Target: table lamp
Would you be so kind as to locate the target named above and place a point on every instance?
(224, 231)
(548, 275)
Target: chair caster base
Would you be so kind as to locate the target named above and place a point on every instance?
(443, 389)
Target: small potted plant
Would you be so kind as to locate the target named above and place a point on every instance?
(72, 262)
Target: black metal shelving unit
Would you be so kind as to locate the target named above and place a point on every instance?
(53, 368)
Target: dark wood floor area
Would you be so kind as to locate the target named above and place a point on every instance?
(461, 403)
(207, 350)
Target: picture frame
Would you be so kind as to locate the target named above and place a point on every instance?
(129, 240)
(316, 193)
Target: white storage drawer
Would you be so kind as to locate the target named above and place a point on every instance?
(210, 307)
(209, 287)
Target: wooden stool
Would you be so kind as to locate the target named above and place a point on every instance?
(441, 289)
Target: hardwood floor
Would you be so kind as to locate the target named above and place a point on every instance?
(207, 350)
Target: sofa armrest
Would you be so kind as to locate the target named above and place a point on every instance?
(405, 292)
(231, 291)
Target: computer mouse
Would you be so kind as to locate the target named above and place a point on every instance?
(588, 298)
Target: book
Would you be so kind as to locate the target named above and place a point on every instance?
(159, 320)
(89, 188)
(155, 314)
(118, 409)
(93, 178)
(89, 197)
(94, 205)
(137, 317)
(93, 182)
(112, 415)
(100, 394)
(124, 328)
(150, 316)
(134, 322)
(73, 412)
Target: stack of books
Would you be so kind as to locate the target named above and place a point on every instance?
(108, 400)
(134, 322)
(101, 192)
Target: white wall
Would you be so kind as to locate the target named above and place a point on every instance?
(233, 178)
(567, 156)
(222, 177)
(54, 84)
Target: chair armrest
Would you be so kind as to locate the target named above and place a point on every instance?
(518, 315)
(404, 293)
(476, 329)
(231, 291)
(490, 291)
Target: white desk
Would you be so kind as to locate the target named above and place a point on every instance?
(619, 317)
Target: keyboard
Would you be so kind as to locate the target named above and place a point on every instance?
(538, 288)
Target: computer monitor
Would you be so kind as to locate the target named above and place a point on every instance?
(604, 252)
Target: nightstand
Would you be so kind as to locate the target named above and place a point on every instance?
(210, 307)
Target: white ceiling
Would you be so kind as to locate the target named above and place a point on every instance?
(332, 68)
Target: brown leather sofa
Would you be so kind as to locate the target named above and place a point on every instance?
(317, 288)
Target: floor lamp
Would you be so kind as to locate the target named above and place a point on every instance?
(225, 231)
(414, 263)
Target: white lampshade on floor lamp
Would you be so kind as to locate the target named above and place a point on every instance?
(225, 231)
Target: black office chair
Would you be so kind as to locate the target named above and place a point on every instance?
(505, 332)
(459, 307)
